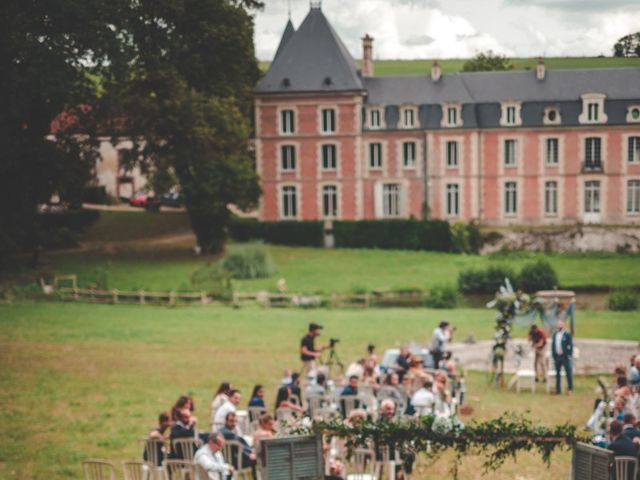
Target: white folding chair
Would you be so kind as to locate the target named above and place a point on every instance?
(178, 470)
(98, 470)
(134, 470)
(626, 468)
(362, 465)
(153, 452)
(184, 448)
(230, 448)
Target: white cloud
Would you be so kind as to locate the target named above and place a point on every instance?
(461, 28)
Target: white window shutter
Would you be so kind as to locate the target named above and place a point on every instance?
(377, 200)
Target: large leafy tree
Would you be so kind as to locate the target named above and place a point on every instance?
(627, 46)
(486, 61)
(186, 100)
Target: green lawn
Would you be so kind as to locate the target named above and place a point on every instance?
(80, 381)
(114, 226)
(451, 65)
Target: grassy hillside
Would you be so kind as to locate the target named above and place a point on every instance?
(452, 65)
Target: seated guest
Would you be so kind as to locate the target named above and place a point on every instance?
(209, 458)
(620, 445)
(317, 389)
(387, 414)
(619, 408)
(387, 410)
(295, 386)
(257, 397)
(634, 372)
(423, 400)
(266, 429)
(402, 363)
(356, 368)
(159, 433)
(630, 429)
(622, 388)
(442, 395)
(286, 377)
(231, 432)
(350, 390)
(229, 406)
(283, 399)
(370, 374)
(184, 427)
(220, 398)
(185, 401)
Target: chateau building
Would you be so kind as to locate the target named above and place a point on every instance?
(515, 147)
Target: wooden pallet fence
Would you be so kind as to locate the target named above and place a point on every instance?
(139, 297)
(341, 300)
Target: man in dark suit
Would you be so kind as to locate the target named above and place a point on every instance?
(621, 446)
(185, 427)
(230, 432)
(629, 427)
(562, 352)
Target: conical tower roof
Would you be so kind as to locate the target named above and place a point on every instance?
(286, 36)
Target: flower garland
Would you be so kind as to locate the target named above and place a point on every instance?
(498, 439)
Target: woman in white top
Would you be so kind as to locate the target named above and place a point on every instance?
(220, 398)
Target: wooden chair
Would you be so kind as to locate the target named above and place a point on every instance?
(99, 470)
(348, 403)
(362, 465)
(184, 448)
(286, 415)
(315, 402)
(326, 413)
(626, 468)
(178, 470)
(255, 413)
(134, 470)
(153, 452)
(232, 453)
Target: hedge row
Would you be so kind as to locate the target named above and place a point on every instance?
(74, 220)
(433, 235)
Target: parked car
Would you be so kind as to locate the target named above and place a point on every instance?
(144, 200)
(171, 199)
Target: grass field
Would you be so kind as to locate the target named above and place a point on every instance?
(451, 65)
(80, 381)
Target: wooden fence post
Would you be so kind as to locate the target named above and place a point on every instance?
(172, 298)
(141, 294)
(203, 298)
(115, 295)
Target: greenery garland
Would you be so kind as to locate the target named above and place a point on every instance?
(498, 439)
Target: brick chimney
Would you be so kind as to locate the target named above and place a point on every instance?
(436, 73)
(367, 56)
(541, 69)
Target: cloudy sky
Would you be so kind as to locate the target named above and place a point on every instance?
(460, 28)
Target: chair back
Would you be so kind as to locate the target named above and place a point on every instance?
(315, 402)
(201, 473)
(348, 403)
(98, 470)
(362, 465)
(626, 468)
(152, 452)
(325, 413)
(232, 453)
(134, 470)
(285, 414)
(255, 413)
(184, 448)
(178, 470)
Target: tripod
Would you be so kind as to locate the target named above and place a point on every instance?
(333, 361)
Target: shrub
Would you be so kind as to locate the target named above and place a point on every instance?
(495, 276)
(394, 234)
(536, 276)
(485, 281)
(466, 237)
(96, 194)
(213, 280)
(280, 233)
(623, 300)
(251, 260)
(442, 296)
(471, 281)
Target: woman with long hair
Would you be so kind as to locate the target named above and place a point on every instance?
(257, 397)
(220, 398)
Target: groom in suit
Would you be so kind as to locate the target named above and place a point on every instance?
(562, 351)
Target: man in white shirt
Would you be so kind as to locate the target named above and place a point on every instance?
(210, 460)
(221, 414)
(424, 399)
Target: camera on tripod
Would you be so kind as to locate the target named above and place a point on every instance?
(333, 341)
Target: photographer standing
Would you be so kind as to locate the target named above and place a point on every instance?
(441, 335)
(308, 352)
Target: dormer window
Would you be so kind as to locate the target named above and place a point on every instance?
(328, 120)
(593, 109)
(551, 116)
(287, 124)
(451, 115)
(408, 117)
(511, 114)
(375, 118)
(633, 114)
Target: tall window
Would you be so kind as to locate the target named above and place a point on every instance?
(329, 161)
(391, 200)
(511, 115)
(593, 111)
(374, 119)
(452, 154)
(592, 197)
(452, 116)
(633, 196)
(330, 201)
(592, 152)
(552, 151)
(288, 157)
(375, 155)
(510, 198)
(409, 119)
(510, 158)
(453, 200)
(409, 154)
(633, 149)
(551, 198)
(289, 202)
(287, 124)
(328, 120)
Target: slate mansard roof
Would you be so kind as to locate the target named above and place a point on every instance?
(313, 59)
